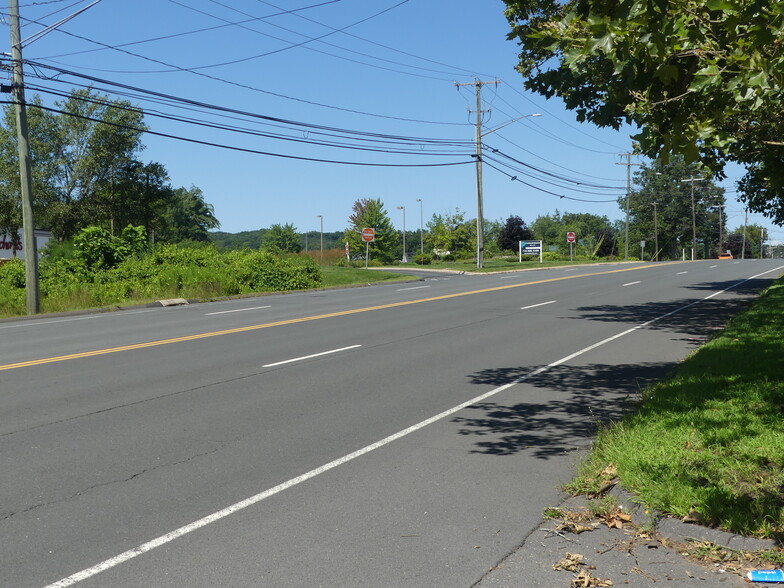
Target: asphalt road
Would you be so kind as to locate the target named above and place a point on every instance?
(398, 435)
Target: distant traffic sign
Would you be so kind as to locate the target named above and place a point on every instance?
(368, 235)
(570, 237)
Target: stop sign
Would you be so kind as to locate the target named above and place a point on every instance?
(570, 237)
(368, 235)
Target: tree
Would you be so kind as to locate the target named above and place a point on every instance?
(513, 231)
(595, 234)
(451, 234)
(664, 185)
(188, 217)
(704, 79)
(370, 213)
(281, 239)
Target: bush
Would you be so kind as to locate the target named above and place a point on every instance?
(423, 259)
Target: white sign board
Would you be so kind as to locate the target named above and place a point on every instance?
(7, 246)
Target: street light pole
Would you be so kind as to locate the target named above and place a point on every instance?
(421, 238)
(321, 230)
(405, 257)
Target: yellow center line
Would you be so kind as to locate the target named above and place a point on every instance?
(184, 338)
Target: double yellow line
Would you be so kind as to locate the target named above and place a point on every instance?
(159, 342)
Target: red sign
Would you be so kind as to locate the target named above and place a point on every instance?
(570, 237)
(368, 235)
(346, 247)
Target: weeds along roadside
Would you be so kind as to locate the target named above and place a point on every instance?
(707, 443)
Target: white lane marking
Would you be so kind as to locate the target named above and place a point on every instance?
(243, 504)
(571, 269)
(681, 273)
(412, 288)
(535, 305)
(711, 267)
(236, 310)
(311, 356)
(36, 323)
(506, 277)
(81, 318)
(632, 283)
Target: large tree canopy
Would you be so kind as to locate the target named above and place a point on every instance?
(700, 78)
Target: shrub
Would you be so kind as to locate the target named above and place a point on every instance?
(423, 259)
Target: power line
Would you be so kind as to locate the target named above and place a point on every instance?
(244, 149)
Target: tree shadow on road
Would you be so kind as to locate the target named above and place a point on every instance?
(566, 406)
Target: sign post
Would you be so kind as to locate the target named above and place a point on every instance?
(348, 258)
(530, 248)
(571, 238)
(642, 250)
(368, 236)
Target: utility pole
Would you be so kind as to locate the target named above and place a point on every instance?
(480, 230)
(743, 248)
(32, 290)
(693, 217)
(656, 230)
(628, 164)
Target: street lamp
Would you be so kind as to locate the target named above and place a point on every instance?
(321, 230)
(421, 238)
(480, 230)
(693, 217)
(403, 208)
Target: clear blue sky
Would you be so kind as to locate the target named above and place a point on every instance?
(386, 67)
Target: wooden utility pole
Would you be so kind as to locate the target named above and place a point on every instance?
(628, 164)
(17, 91)
(480, 230)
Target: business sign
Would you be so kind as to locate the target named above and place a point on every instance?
(368, 235)
(531, 248)
(7, 244)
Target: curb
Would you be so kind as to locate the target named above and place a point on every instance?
(680, 531)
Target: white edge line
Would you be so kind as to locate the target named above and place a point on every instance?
(311, 356)
(236, 310)
(221, 514)
(632, 283)
(412, 288)
(535, 305)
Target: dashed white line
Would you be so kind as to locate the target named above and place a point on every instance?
(681, 273)
(303, 358)
(412, 288)
(711, 267)
(236, 310)
(535, 305)
(632, 283)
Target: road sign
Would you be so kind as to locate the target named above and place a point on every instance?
(570, 237)
(368, 235)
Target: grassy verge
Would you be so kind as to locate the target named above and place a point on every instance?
(708, 442)
(495, 265)
(334, 276)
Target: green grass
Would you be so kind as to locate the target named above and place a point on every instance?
(334, 276)
(710, 438)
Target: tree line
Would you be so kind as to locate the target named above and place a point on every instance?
(87, 171)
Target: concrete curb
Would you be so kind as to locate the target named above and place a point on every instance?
(680, 531)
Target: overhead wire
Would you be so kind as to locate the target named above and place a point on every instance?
(253, 88)
(245, 149)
